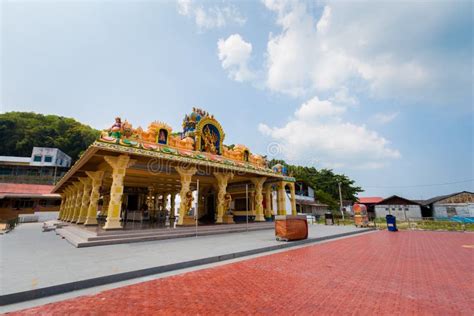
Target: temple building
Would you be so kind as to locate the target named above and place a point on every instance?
(132, 174)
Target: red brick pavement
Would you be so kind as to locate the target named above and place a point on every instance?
(378, 273)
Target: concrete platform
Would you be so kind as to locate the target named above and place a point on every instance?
(79, 236)
(36, 264)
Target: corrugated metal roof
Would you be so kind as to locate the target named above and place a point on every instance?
(15, 159)
(442, 197)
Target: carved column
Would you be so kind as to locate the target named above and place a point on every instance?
(70, 209)
(268, 201)
(258, 183)
(77, 202)
(86, 195)
(64, 201)
(281, 198)
(70, 193)
(61, 207)
(222, 180)
(293, 199)
(185, 204)
(119, 167)
(96, 179)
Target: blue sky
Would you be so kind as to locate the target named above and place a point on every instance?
(380, 91)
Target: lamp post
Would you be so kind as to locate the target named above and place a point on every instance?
(340, 200)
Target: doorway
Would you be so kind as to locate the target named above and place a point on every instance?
(209, 218)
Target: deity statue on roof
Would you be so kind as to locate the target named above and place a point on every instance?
(116, 128)
(210, 139)
(190, 121)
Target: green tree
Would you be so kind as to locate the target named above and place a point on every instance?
(21, 131)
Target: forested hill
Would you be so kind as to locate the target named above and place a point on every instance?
(21, 131)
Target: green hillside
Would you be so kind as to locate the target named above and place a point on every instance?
(21, 131)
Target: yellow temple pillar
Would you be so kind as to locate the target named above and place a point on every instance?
(77, 201)
(61, 207)
(119, 167)
(293, 198)
(258, 183)
(96, 182)
(86, 195)
(185, 195)
(268, 201)
(222, 180)
(67, 208)
(64, 200)
(281, 198)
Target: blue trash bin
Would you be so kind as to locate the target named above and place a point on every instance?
(391, 223)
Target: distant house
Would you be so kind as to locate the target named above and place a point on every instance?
(44, 166)
(306, 200)
(455, 204)
(370, 203)
(20, 199)
(399, 207)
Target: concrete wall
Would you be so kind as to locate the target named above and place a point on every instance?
(456, 209)
(398, 211)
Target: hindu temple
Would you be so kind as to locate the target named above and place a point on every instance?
(159, 175)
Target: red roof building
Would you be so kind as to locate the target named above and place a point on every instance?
(26, 189)
(20, 198)
(370, 200)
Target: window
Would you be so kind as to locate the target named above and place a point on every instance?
(19, 204)
(406, 208)
(386, 208)
(48, 159)
(37, 158)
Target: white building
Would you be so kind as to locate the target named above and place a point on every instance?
(399, 207)
(456, 204)
(49, 157)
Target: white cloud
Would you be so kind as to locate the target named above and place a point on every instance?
(318, 133)
(315, 108)
(384, 118)
(234, 54)
(213, 17)
(342, 97)
(372, 47)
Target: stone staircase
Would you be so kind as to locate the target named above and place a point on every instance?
(80, 237)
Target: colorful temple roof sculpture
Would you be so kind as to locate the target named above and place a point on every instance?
(202, 138)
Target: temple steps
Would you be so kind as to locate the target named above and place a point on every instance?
(80, 237)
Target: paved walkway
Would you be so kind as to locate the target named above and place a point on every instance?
(380, 273)
(31, 259)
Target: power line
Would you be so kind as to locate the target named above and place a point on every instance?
(417, 185)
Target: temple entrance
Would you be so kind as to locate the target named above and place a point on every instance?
(210, 207)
